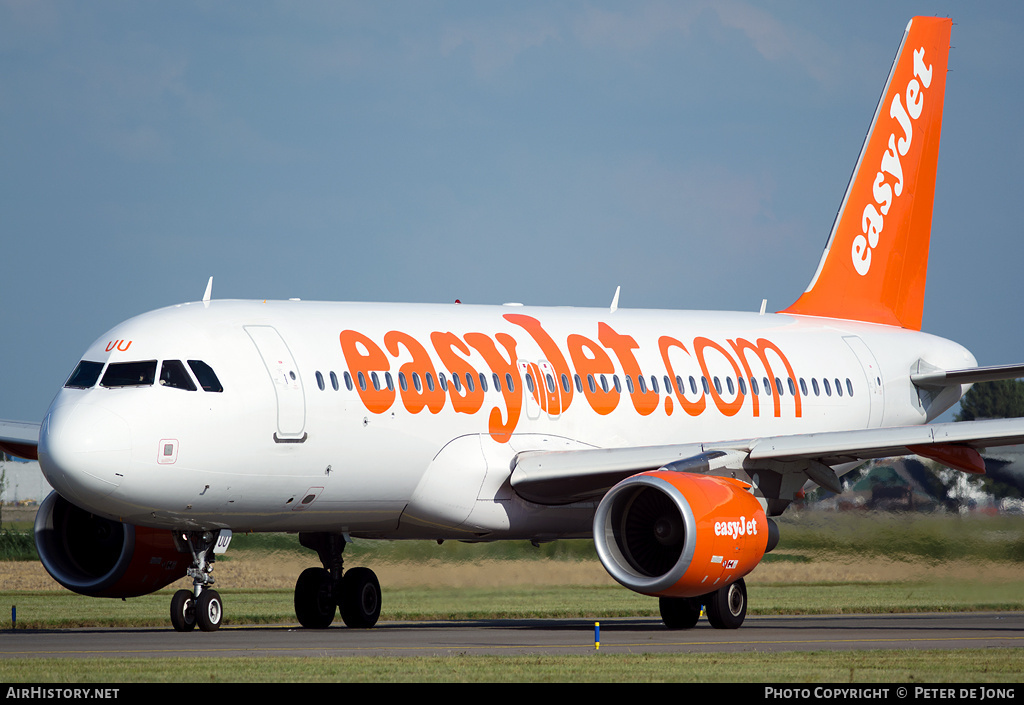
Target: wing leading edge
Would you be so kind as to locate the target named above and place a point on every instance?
(562, 477)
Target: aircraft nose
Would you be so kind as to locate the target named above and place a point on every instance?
(84, 450)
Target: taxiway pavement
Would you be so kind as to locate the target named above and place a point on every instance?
(532, 636)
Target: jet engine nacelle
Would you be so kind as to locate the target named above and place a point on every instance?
(99, 557)
(672, 534)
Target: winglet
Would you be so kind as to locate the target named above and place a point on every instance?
(209, 291)
(876, 260)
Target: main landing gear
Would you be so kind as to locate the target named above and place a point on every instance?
(320, 592)
(202, 605)
(726, 608)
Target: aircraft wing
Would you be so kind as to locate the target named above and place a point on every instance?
(19, 438)
(561, 477)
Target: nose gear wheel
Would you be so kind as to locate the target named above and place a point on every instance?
(201, 606)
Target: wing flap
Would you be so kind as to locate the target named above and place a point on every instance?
(865, 444)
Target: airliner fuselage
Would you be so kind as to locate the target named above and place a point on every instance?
(335, 416)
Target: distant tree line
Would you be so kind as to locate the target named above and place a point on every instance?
(1003, 399)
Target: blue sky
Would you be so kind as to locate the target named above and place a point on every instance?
(694, 153)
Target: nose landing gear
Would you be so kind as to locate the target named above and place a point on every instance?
(201, 606)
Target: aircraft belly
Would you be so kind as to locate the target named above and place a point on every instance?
(378, 518)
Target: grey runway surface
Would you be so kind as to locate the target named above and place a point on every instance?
(548, 636)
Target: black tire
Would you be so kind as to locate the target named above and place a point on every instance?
(727, 607)
(679, 612)
(209, 610)
(360, 598)
(183, 611)
(314, 604)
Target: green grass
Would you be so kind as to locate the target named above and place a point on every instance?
(50, 610)
(804, 537)
(929, 537)
(883, 667)
(17, 546)
(807, 539)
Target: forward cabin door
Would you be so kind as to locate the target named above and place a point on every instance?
(284, 374)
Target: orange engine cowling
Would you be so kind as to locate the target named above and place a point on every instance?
(673, 534)
(99, 557)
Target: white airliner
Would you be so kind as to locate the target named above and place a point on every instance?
(671, 437)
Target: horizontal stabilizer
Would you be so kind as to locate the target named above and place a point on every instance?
(969, 375)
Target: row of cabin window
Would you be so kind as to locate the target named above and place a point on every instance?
(641, 383)
(417, 382)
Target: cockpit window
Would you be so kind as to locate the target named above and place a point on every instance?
(85, 375)
(129, 374)
(206, 376)
(173, 374)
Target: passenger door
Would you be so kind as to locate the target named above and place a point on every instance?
(284, 374)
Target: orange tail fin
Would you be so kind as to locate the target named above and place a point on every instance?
(876, 260)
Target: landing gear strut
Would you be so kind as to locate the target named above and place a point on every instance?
(726, 608)
(319, 592)
(202, 605)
